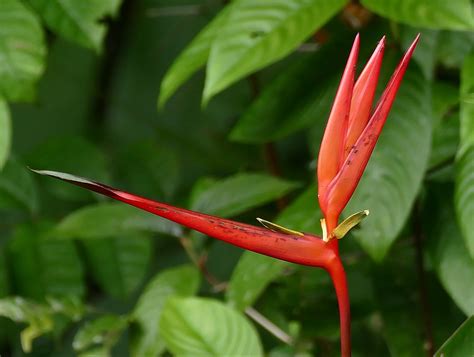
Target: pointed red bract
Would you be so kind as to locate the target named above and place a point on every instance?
(363, 96)
(331, 153)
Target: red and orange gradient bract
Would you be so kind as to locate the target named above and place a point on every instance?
(350, 137)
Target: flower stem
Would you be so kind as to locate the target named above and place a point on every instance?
(338, 276)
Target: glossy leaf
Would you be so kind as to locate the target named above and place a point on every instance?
(5, 132)
(198, 327)
(120, 264)
(239, 193)
(460, 342)
(105, 220)
(17, 188)
(44, 268)
(464, 195)
(78, 21)
(104, 330)
(20, 65)
(255, 35)
(193, 57)
(254, 272)
(393, 176)
(454, 15)
(179, 281)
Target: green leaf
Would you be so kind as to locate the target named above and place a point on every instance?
(239, 193)
(105, 220)
(460, 342)
(254, 272)
(17, 188)
(5, 132)
(255, 35)
(104, 331)
(119, 265)
(464, 193)
(205, 327)
(193, 57)
(37, 316)
(450, 15)
(179, 281)
(22, 51)
(69, 154)
(395, 171)
(451, 259)
(44, 267)
(78, 21)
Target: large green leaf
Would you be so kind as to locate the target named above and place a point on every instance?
(439, 14)
(5, 132)
(254, 272)
(205, 327)
(193, 57)
(78, 21)
(393, 176)
(44, 267)
(17, 188)
(69, 154)
(451, 259)
(236, 194)
(105, 220)
(179, 281)
(256, 34)
(103, 331)
(460, 343)
(22, 51)
(464, 195)
(119, 265)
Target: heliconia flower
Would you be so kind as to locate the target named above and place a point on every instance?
(351, 133)
(348, 142)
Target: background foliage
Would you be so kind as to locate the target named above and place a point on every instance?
(243, 89)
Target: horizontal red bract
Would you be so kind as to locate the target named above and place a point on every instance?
(306, 250)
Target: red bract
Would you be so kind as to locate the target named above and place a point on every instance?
(348, 142)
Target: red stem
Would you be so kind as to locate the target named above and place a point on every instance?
(338, 276)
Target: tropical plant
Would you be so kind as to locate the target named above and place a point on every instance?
(81, 274)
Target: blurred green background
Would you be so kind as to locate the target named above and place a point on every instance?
(244, 88)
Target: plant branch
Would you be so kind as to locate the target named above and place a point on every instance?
(268, 325)
(113, 45)
(422, 290)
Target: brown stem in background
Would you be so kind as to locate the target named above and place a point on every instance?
(269, 152)
(422, 289)
(113, 43)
